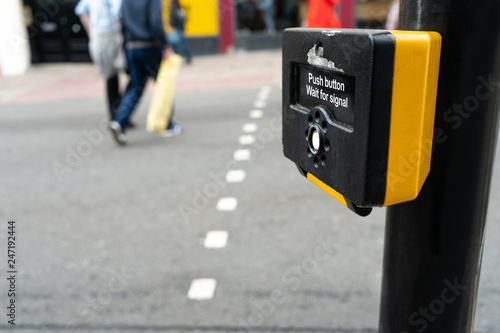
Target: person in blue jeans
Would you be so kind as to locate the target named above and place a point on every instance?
(267, 7)
(145, 47)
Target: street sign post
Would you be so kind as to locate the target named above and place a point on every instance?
(433, 245)
(346, 119)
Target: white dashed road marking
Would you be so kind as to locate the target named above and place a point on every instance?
(202, 289)
(242, 155)
(263, 96)
(246, 139)
(227, 204)
(256, 114)
(216, 239)
(265, 89)
(250, 128)
(235, 176)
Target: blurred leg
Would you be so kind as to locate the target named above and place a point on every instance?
(113, 95)
(138, 78)
(268, 16)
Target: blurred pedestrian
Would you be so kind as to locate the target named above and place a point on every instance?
(248, 15)
(393, 16)
(321, 14)
(145, 46)
(177, 20)
(267, 7)
(165, 15)
(101, 20)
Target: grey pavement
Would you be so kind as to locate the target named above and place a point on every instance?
(109, 239)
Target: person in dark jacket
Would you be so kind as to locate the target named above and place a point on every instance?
(145, 46)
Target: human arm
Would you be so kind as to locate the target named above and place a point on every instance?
(82, 11)
(85, 19)
(167, 53)
(156, 23)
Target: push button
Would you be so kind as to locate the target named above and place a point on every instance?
(358, 111)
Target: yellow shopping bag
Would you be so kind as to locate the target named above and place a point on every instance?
(163, 94)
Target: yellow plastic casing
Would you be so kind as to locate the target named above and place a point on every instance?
(413, 104)
(336, 195)
(416, 72)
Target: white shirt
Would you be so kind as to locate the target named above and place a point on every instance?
(104, 14)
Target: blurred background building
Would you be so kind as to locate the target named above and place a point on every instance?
(54, 33)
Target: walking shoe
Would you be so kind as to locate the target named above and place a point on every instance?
(116, 131)
(176, 129)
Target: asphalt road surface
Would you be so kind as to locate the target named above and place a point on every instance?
(210, 231)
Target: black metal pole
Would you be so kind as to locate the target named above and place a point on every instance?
(433, 245)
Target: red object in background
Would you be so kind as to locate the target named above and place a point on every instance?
(347, 13)
(226, 26)
(322, 15)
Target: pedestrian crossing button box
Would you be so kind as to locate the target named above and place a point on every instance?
(358, 111)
